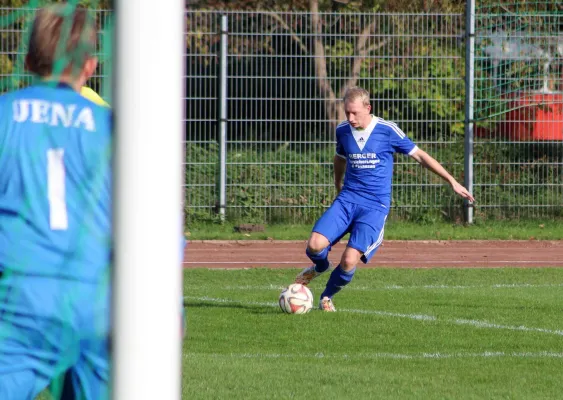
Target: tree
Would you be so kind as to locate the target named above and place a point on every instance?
(328, 52)
(334, 111)
(319, 42)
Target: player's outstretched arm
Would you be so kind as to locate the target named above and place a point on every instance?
(339, 170)
(430, 163)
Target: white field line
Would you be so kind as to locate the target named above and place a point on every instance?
(372, 356)
(416, 317)
(395, 287)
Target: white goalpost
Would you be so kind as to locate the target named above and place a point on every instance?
(147, 293)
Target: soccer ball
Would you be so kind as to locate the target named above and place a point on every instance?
(296, 299)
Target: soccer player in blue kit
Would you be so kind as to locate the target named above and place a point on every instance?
(55, 218)
(363, 172)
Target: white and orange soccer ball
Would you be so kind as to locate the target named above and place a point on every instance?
(296, 299)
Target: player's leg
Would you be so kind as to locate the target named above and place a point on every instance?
(18, 378)
(365, 238)
(327, 231)
(317, 250)
(89, 378)
(34, 348)
(340, 277)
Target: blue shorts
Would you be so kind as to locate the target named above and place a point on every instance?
(53, 332)
(365, 225)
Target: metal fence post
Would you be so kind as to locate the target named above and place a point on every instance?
(469, 102)
(222, 122)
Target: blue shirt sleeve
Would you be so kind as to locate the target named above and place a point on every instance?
(400, 142)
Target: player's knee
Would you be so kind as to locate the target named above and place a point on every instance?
(314, 249)
(350, 259)
(317, 243)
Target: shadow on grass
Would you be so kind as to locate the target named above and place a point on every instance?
(254, 309)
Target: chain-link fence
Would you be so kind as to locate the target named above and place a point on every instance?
(518, 152)
(284, 75)
(263, 99)
(14, 28)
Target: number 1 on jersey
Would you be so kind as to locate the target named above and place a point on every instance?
(58, 217)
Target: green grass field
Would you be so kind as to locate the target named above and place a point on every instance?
(398, 334)
(398, 230)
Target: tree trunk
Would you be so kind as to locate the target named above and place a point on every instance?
(334, 110)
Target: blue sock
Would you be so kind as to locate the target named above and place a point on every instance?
(319, 259)
(338, 279)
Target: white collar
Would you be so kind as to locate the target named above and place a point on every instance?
(362, 136)
(368, 129)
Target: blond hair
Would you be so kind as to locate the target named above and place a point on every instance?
(357, 93)
(46, 54)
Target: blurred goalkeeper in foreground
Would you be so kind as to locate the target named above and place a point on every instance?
(55, 219)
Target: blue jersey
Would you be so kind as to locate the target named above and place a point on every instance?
(369, 161)
(55, 183)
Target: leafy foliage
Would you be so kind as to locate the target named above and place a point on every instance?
(287, 76)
